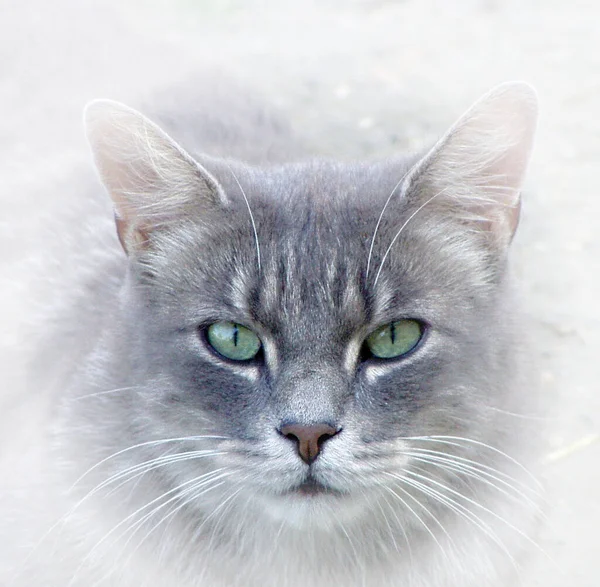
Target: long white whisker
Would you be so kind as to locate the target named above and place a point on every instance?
(197, 481)
(472, 472)
(350, 541)
(462, 511)
(148, 466)
(450, 440)
(224, 511)
(379, 222)
(457, 470)
(99, 393)
(387, 252)
(400, 525)
(128, 475)
(533, 417)
(249, 212)
(143, 444)
(152, 467)
(137, 525)
(412, 511)
(218, 508)
(192, 492)
(389, 527)
(481, 507)
(475, 464)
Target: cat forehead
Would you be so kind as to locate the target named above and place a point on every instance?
(303, 282)
(296, 245)
(312, 188)
(316, 215)
(312, 278)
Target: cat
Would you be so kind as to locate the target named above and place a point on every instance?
(271, 370)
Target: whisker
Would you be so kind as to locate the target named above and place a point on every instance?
(533, 417)
(196, 482)
(474, 468)
(146, 467)
(149, 466)
(249, 212)
(99, 393)
(389, 527)
(137, 525)
(400, 525)
(387, 252)
(481, 507)
(224, 511)
(462, 511)
(190, 491)
(458, 472)
(449, 440)
(137, 477)
(379, 222)
(423, 507)
(218, 508)
(350, 541)
(475, 464)
(141, 445)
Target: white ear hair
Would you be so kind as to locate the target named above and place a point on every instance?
(150, 178)
(479, 165)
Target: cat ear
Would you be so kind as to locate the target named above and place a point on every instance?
(476, 171)
(151, 180)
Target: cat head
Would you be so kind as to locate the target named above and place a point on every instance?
(321, 324)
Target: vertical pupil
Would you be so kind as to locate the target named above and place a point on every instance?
(235, 335)
(393, 332)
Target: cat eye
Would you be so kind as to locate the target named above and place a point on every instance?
(395, 339)
(233, 341)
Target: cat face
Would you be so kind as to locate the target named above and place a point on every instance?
(264, 310)
(312, 308)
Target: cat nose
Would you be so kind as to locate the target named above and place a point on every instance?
(309, 438)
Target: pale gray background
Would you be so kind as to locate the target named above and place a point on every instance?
(363, 78)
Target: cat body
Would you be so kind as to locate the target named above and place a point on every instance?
(154, 459)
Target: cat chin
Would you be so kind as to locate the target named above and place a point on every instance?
(317, 512)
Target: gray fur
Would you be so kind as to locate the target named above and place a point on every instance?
(133, 369)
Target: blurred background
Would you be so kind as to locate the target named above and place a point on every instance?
(359, 79)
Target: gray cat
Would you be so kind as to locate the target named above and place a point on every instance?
(286, 374)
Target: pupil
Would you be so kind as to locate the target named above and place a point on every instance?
(235, 335)
(393, 332)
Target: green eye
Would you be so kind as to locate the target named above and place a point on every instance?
(394, 339)
(233, 341)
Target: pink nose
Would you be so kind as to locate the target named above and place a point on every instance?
(309, 438)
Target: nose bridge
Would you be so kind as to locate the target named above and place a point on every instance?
(311, 393)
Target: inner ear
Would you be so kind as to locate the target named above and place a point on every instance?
(150, 178)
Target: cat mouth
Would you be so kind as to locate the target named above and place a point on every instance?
(310, 487)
